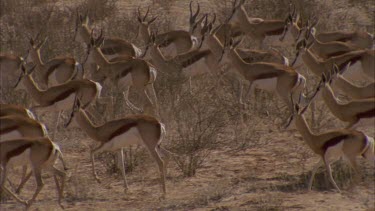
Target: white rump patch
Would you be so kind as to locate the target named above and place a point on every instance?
(98, 88)
(138, 51)
(195, 41)
(369, 152)
(30, 114)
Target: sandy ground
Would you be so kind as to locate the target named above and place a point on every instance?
(271, 174)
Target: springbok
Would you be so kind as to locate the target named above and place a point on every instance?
(41, 154)
(332, 145)
(257, 28)
(325, 50)
(10, 68)
(17, 122)
(351, 112)
(360, 39)
(111, 48)
(352, 90)
(211, 42)
(60, 97)
(180, 41)
(8, 109)
(318, 66)
(118, 134)
(133, 72)
(272, 77)
(54, 72)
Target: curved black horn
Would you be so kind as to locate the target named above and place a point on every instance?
(148, 10)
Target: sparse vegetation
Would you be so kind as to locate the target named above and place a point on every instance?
(222, 163)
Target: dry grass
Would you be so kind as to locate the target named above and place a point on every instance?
(223, 164)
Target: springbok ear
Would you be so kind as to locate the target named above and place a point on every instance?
(335, 68)
(324, 78)
(296, 108)
(31, 41)
(235, 44)
(86, 20)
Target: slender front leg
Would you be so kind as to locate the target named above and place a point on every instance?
(57, 123)
(313, 172)
(60, 189)
(2, 183)
(93, 165)
(39, 183)
(329, 171)
(126, 187)
(152, 98)
(24, 179)
(131, 105)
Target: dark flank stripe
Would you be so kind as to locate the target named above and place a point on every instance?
(53, 67)
(9, 129)
(17, 151)
(164, 42)
(352, 61)
(111, 50)
(64, 95)
(337, 53)
(122, 130)
(268, 75)
(333, 142)
(275, 32)
(195, 58)
(367, 114)
(123, 73)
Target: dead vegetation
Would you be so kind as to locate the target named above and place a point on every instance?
(221, 164)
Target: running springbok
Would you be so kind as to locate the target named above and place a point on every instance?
(351, 112)
(332, 145)
(212, 43)
(54, 72)
(180, 41)
(132, 72)
(60, 97)
(257, 28)
(318, 66)
(41, 154)
(10, 68)
(111, 48)
(117, 134)
(352, 90)
(8, 109)
(16, 122)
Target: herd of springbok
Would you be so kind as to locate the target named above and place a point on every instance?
(62, 84)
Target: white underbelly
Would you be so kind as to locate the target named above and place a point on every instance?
(268, 84)
(131, 137)
(334, 152)
(14, 134)
(355, 73)
(169, 51)
(125, 81)
(52, 80)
